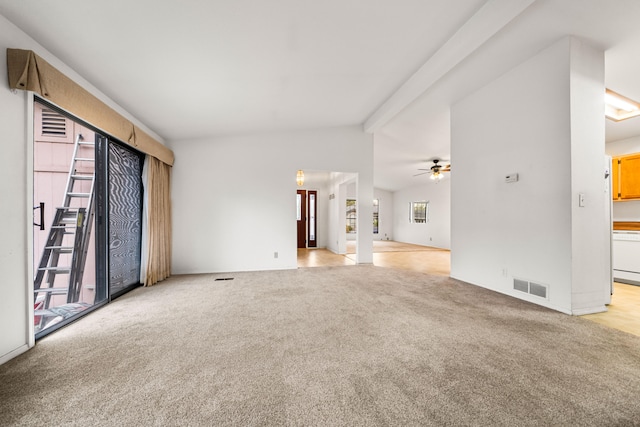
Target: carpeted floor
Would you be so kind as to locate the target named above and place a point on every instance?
(348, 346)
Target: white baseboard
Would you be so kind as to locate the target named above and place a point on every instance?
(18, 351)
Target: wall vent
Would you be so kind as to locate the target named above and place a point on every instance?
(537, 289)
(521, 285)
(53, 124)
(531, 288)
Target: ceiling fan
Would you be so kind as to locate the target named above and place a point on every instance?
(435, 170)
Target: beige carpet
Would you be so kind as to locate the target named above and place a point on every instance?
(359, 345)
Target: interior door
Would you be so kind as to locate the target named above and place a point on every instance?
(301, 206)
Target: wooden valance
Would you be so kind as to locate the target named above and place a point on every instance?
(27, 71)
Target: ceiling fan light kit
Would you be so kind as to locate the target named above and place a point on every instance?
(436, 170)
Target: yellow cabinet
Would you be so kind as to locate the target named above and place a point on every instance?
(625, 173)
(615, 178)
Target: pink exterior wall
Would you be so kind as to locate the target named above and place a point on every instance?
(52, 159)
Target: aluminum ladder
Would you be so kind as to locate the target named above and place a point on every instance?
(65, 251)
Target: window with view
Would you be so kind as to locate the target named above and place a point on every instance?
(419, 212)
(376, 209)
(351, 216)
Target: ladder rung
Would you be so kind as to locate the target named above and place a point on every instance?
(82, 177)
(60, 270)
(78, 194)
(69, 212)
(61, 249)
(85, 143)
(84, 159)
(52, 290)
(68, 221)
(57, 291)
(60, 227)
(44, 313)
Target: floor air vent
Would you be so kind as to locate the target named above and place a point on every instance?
(530, 288)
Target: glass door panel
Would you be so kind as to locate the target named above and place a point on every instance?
(125, 218)
(64, 220)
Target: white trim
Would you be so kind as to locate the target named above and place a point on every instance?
(14, 353)
(518, 295)
(31, 340)
(592, 310)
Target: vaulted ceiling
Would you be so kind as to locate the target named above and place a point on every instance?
(195, 68)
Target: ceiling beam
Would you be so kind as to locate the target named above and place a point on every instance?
(489, 20)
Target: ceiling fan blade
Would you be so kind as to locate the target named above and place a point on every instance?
(423, 173)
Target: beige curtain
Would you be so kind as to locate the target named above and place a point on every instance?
(27, 71)
(156, 222)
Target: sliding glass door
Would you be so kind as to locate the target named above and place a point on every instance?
(87, 218)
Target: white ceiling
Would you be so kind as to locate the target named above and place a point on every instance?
(196, 68)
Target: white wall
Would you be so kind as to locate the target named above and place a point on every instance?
(625, 210)
(14, 257)
(591, 252)
(234, 197)
(543, 120)
(16, 193)
(437, 231)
